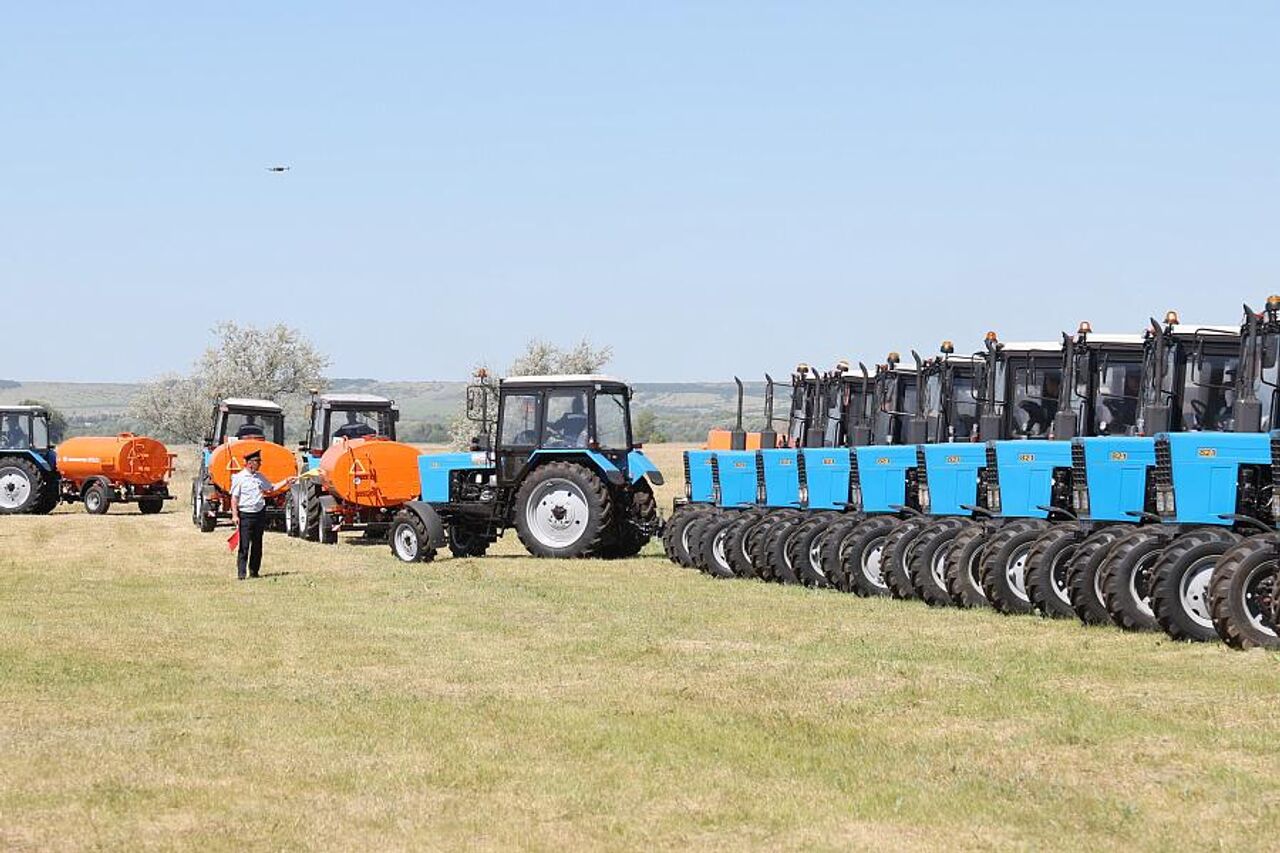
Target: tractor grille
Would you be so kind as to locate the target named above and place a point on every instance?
(853, 470)
(801, 473)
(1275, 478)
(922, 470)
(715, 479)
(1164, 465)
(760, 472)
(1078, 470)
(991, 473)
(688, 479)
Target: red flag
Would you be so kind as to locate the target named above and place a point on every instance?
(233, 541)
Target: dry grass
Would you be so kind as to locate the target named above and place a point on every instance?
(350, 701)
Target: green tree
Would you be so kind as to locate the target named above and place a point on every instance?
(647, 430)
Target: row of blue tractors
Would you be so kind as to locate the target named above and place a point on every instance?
(1112, 478)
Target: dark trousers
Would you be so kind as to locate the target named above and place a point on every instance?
(250, 554)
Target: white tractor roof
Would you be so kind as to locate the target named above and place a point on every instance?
(250, 403)
(1192, 328)
(564, 379)
(1114, 338)
(1034, 346)
(6, 407)
(358, 399)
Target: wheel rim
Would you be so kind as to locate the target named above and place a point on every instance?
(873, 563)
(1259, 597)
(92, 500)
(1140, 584)
(975, 565)
(684, 537)
(815, 556)
(938, 566)
(1097, 586)
(743, 545)
(15, 488)
(406, 540)
(1058, 580)
(557, 513)
(1193, 591)
(1015, 572)
(717, 549)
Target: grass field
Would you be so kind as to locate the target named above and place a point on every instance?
(349, 701)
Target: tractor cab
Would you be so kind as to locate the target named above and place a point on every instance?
(947, 406)
(894, 401)
(28, 469)
(336, 416)
(1190, 376)
(239, 418)
(1022, 387)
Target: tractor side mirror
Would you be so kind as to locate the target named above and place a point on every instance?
(477, 400)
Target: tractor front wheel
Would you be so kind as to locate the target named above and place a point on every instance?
(1048, 570)
(1180, 593)
(1243, 594)
(863, 556)
(675, 536)
(20, 486)
(1128, 574)
(465, 542)
(563, 510)
(928, 563)
(409, 538)
(964, 565)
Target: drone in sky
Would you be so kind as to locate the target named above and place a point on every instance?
(278, 168)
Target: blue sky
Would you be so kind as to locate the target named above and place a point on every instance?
(710, 187)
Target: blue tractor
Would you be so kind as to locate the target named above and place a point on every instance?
(29, 481)
(557, 462)
(1183, 384)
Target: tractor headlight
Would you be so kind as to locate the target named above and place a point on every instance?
(924, 497)
(688, 490)
(993, 498)
(761, 496)
(855, 497)
(1080, 496)
(804, 496)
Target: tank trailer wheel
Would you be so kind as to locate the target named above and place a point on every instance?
(864, 556)
(150, 506)
(20, 486)
(927, 566)
(1049, 569)
(409, 537)
(1243, 594)
(563, 510)
(97, 499)
(1180, 593)
(964, 564)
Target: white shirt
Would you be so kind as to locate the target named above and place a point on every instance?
(248, 489)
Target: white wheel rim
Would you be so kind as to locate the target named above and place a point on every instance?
(815, 556)
(717, 548)
(1058, 576)
(1252, 607)
(972, 571)
(557, 513)
(1193, 591)
(15, 488)
(1142, 572)
(1097, 587)
(92, 500)
(873, 563)
(1015, 571)
(938, 566)
(406, 540)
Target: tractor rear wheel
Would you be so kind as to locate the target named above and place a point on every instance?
(464, 542)
(675, 536)
(804, 550)
(715, 546)
(898, 547)
(20, 485)
(864, 556)
(1180, 593)
(1048, 569)
(409, 538)
(737, 541)
(1243, 594)
(964, 565)
(1127, 575)
(1004, 565)
(834, 545)
(150, 506)
(928, 564)
(563, 510)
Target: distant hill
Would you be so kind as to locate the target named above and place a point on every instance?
(683, 411)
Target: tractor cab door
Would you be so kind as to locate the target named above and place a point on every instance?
(519, 428)
(1032, 386)
(15, 430)
(1114, 394)
(611, 430)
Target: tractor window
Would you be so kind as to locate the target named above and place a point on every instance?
(39, 433)
(1116, 409)
(1033, 400)
(355, 424)
(1268, 379)
(520, 420)
(566, 422)
(13, 431)
(964, 406)
(1208, 393)
(255, 425)
(611, 421)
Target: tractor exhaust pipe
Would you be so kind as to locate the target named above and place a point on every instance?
(813, 438)
(1064, 422)
(917, 428)
(859, 429)
(1248, 410)
(768, 435)
(990, 421)
(1155, 417)
(738, 437)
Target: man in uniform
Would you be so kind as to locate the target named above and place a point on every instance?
(249, 490)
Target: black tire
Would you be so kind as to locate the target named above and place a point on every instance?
(758, 541)
(586, 505)
(804, 549)
(467, 543)
(97, 499)
(150, 506)
(1004, 565)
(638, 508)
(1049, 570)
(715, 544)
(409, 538)
(834, 545)
(964, 566)
(1084, 575)
(21, 486)
(195, 502)
(927, 566)
(1128, 574)
(697, 534)
(736, 544)
(1180, 594)
(50, 497)
(864, 556)
(675, 536)
(1243, 593)
(898, 548)
(777, 551)
(310, 513)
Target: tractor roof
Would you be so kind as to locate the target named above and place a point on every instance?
(368, 400)
(1092, 338)
(1033, 346)
(1210, 332)
(6, 407)
(249, 403)
(564, 379)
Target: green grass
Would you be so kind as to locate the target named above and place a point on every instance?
(350, 701)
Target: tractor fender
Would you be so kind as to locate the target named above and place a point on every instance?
(639, 465)
(430, 518)
(89, 481)
(43, 463)
(611, 473)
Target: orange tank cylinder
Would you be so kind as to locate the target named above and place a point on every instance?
(227, 460)
(124, 458)
(371, 472)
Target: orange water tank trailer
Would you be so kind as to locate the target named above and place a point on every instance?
(227, 460)
(371, 472)
(129, 459)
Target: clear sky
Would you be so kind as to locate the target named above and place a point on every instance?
(710, 187)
